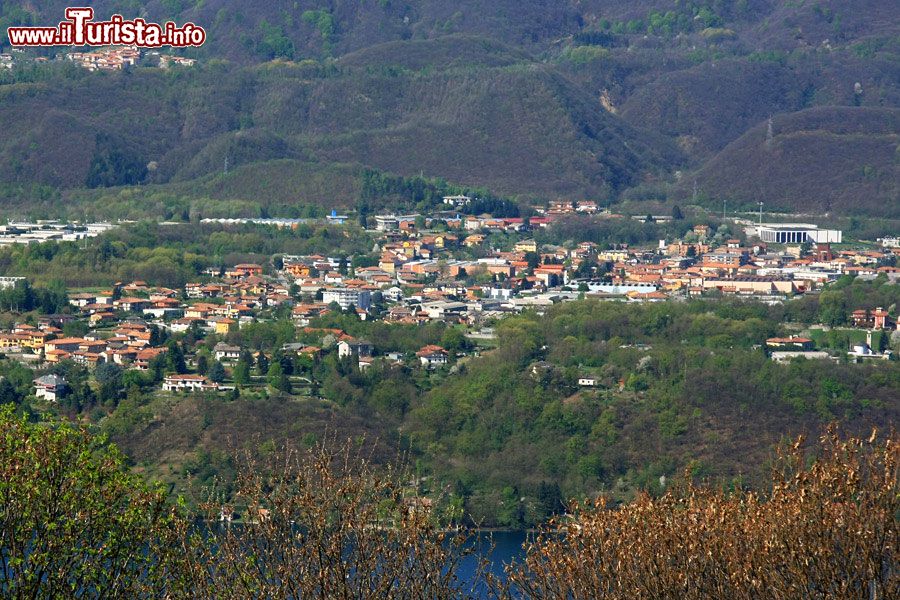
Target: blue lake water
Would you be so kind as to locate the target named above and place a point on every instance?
(499, 548)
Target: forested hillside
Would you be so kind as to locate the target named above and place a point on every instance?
(532, 100)
(849, 154)
(677, 387)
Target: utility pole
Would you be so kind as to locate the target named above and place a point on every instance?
(760, 213)
(724, 204)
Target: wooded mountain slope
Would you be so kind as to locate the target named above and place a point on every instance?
(531, 99)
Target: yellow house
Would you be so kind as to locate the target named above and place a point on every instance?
(474, 240)
(222, 325)
(200, 310)
(526, 246)
(614, 255)
(34, 339)
(389, 263)
(253, 290)
(13, 340)
(298, 269)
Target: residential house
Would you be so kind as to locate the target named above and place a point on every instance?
(132, 304)
(82, 300)
(473, 240)
(64, 344)
(432, 356)
(188, 383)
(550, 275)
(304, 313)
(877, 319)
(298, 270)
(201, 310)
(225, 352)
(145, 356)
(50, 387)
(351, 346)
(182, 325)
(386, 223)
(13, 341)
(794, 342)
(526, 246)
(245, 270)
(221, 325)
(121, 356)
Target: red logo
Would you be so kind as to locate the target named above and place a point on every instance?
(79, 29)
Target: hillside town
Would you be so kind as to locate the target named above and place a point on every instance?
(424, 270)
(101, 58)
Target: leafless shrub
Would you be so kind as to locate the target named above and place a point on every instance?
(324, 524)
(826, 531)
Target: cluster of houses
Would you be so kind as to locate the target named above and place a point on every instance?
(116, 58)
(362, 351)
(424, 275)
(756, 270)
(106, 58)
(127, 344)
(585, 207)
(170, 60)
(785, 349)
(421, 275)
(122, 322)
(408, 223)
(112, 58)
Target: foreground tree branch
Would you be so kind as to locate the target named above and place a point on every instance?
(325, 524)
